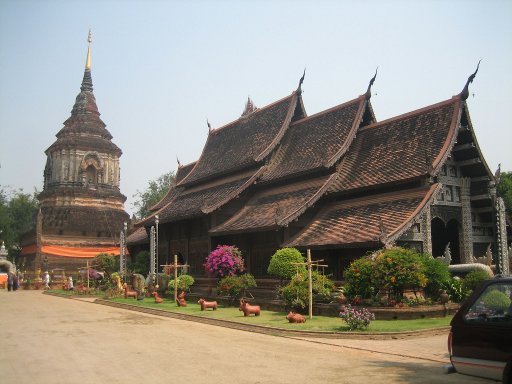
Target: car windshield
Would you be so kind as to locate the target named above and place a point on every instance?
(493, 305)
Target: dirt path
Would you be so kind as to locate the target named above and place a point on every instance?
(47, 339)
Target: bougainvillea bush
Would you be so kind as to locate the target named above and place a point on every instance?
(356, 319)
(225, 260)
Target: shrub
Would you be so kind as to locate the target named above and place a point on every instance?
(473, 279)
(456, 290)
(141, 263)
(358, 278)
(296, 293)
(225, 260)
(437, 274)
(496, 301)
(398, 269)
(235, 286)
(356, 319)
(281, 263)
(184, 282)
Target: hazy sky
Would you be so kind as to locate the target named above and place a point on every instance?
(160, 68)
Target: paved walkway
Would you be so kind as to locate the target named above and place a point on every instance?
(47, 339)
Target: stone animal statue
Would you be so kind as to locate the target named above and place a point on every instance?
(129, 293)
(158, 299)
(248, 309)
(207, 304)
(447, 257)
(181, 300)
(487, 258)
(117, 282)
(293, 317)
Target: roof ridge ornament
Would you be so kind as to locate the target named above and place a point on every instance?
(249, 107)
(178, 160)
(299, 88)
(209, 126)
(88, 60)
(465, 91)
(87, 80)
(368, 93)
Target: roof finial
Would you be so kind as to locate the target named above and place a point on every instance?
(465, 92)
(368, 93)
(178, 160)
(88, 61)
(249, 107)
(209, 126)
(299, 89)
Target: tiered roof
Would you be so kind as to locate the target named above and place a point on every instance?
(245, 142)
(316, 141)
(232, 160)
(369, 221)
(401, 148)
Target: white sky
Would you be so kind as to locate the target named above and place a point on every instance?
(160, 68)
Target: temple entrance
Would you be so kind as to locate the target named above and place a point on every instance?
(442, 235)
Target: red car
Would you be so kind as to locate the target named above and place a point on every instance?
(480, 340)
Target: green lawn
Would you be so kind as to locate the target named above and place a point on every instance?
(278, 319)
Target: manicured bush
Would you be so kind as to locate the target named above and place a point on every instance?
(235, 286)
(496, 301)
(473, 279)
(225, 260)
(356, 319)
(281, 263)
(437, 274)
(184, 283)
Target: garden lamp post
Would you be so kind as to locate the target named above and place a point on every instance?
(156, 252)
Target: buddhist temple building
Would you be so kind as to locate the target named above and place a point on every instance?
(81, 207)
(338, 182)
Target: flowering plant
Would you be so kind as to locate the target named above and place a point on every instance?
(225, 260)
(356, 319)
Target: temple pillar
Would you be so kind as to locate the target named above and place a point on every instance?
(502, 261)
(467, 224)
(427, 232)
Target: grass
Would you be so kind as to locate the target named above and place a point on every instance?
(278, 319)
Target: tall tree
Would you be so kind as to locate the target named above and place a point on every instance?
(505, 190)
(155, 191)
(17, 216)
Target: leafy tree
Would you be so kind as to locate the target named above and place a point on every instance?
(17, 216)
(141, 263)
(155, 191)
(505, 190)
(107, 263)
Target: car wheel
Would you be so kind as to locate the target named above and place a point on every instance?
(507, 373)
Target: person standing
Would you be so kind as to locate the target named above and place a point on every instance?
(15, 283)
(9, 281)
(46, 280)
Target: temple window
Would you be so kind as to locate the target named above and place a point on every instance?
(453, 172)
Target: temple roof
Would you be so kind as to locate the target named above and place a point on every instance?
(276, 206)
(400, 149)
(195, 201)
(316, 141)
(140, 236)
(182, 172)
(372, 221)
(246, 141)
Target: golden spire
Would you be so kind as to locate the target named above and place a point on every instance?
(88, 61)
